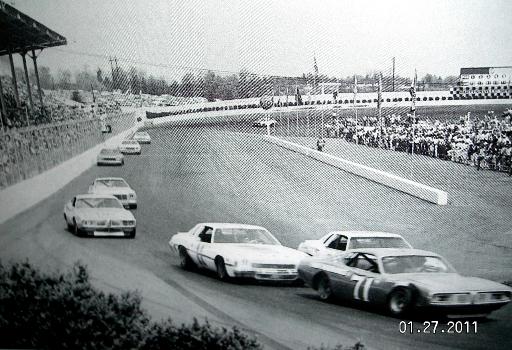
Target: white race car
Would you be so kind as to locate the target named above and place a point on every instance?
(142, 137)
(130, 147)
(110, 156)
(339, 241)
(99, 215)
(263, 122)
(236, 250)
(117, 187)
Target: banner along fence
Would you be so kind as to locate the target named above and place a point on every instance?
(27, 152)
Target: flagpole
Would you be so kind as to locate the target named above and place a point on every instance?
(413, 107)
(355, 109)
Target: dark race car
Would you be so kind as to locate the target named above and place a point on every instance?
(403, 280)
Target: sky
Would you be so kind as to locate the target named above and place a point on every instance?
(168, 38)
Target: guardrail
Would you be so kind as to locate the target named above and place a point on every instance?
(413, 188)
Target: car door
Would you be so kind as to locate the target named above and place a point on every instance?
(364, 272)
(191, 242)
(203, 243)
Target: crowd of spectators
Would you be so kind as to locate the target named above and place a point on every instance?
(483, 142)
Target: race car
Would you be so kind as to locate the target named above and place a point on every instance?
(130, 147)
(263, 122)
(339, 241)
(142, 137)
(403, 280)
(110, 156)
(99, 215)
(236, 250)
(117, 187)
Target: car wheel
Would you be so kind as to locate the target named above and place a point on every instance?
(132, 234)
(222, 273)
(185, 260)
(76, 230)
(324, 288)
(70, 227)
(122, 162)
(400, 301)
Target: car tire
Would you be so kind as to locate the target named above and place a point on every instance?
(222, 273)
(70, 227)
(132, 234)
(400, 302)
(324, 288)
(185, 261)
(122, 162)
(77, 232)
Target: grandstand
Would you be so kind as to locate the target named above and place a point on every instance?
(22, 35)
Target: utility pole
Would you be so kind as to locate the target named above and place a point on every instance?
(110, 60)
(117, 74)
(393, 74)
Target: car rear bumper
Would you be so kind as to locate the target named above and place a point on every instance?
(267, 274)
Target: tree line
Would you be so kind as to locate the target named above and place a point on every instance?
(212, 85)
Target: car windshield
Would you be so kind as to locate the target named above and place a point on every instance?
(143, 134)
(112, 183)
(243, 235)
(377, 242)
(108, 151)
(414, 264)
(97, 203)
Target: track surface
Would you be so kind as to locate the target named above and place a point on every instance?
(193, 174)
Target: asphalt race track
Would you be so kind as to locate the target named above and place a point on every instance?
(191, 174)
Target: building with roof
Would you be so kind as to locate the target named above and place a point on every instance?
(484, 83)
(25, 36)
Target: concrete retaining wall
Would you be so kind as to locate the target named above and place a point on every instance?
(413, 188)
(23, 195)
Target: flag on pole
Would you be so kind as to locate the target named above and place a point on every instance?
(412, 91)
(379, 93)
(355, 88)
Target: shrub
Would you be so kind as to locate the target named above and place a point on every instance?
(64, 311)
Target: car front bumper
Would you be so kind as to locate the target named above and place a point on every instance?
(120, 231)
(130, 150)
(109, 161)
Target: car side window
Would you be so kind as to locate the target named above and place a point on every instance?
(334, 242)
(196, 230)
(342, 243)
(206, 235)
(367, 262)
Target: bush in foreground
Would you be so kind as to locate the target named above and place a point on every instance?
(64, 311)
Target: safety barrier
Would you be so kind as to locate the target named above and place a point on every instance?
(413, 188)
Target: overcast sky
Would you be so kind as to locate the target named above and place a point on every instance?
(278, 37)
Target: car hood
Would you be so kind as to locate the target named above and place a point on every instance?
(104, 214)
(261, 253)
(451, 282)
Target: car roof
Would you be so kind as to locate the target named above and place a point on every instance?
(94, 195)
(383, 252)
(365, 234)
(230, 225)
